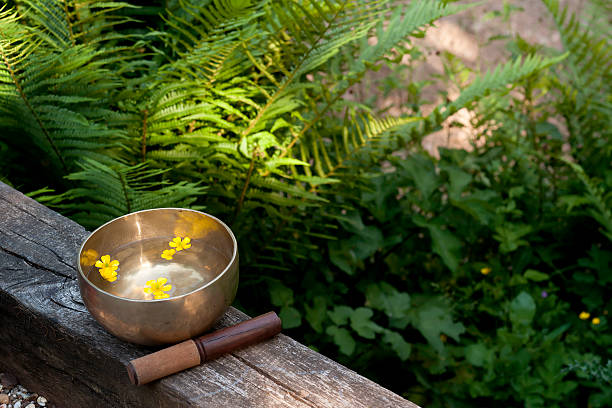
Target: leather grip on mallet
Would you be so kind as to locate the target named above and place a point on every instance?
(193, 352)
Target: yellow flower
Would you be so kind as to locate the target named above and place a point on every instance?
(108, 274)
(167, 254)
(180, 244)
(108, 268)
(485, 270)
(584, 315)
(596, 320)
(157, 288)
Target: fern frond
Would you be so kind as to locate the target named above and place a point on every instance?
(109, 191)
(597, 197)
(57, 91)
(333, 153)
(584, 82)
(502, 76)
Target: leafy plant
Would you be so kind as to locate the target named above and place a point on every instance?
(469, 274)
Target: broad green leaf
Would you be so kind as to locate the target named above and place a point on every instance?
(280, 295)
(367, 242)
(342, 338)
(340, 315)
(478, 355)
(522, 309)
(458, 181)
(422, 171)
(361, 323)
(384, 297)
(433, 318)
(341, 256)
(535, 276)
(290, 317)
(481, 205)
(398, 344)
(445, 244)
(316, 314)
(557, 332)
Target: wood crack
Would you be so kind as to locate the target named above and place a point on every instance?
(15, 205)
(35, 265)
(59, 258)
(66, 306)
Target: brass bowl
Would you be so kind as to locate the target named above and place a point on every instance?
(202, 275)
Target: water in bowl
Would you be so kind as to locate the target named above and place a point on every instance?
(141, 261)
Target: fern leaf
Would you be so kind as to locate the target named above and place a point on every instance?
(126, 189)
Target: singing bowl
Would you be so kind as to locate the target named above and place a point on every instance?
(203, 277)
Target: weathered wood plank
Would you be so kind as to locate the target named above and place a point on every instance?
(49, 339)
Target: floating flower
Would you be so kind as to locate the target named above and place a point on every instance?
(167, 254)
(584, 315)
(596, 320)
(157, 288)
(109, 274)
(180, 244)
(108, 268)
(485, 270)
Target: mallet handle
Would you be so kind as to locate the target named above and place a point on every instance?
(193, 352)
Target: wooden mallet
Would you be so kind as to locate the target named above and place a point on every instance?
(193, 352)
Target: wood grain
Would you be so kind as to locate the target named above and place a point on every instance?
(50, 341)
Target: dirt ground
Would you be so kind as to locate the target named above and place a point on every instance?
(467, 35)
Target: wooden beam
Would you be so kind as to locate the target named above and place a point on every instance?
(51, 342)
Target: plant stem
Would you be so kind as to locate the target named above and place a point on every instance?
(244, 188)
(144, 134)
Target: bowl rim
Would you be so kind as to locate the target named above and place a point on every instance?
(223, 272)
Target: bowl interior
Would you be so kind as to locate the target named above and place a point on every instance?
(187, 249)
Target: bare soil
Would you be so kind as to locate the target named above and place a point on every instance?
(468, 36)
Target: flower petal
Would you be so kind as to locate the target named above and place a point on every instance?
(161, 281)
(147, 290)
(187, 246)
(114, 263)
(162, 296)
(173, 244)
(186, 240)
(105, 272)
(105, 258)
(150, 282)
(166, 288)
(99, 264)
(112, 279)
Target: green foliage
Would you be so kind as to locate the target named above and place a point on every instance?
(450, 280)
(114, 191)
